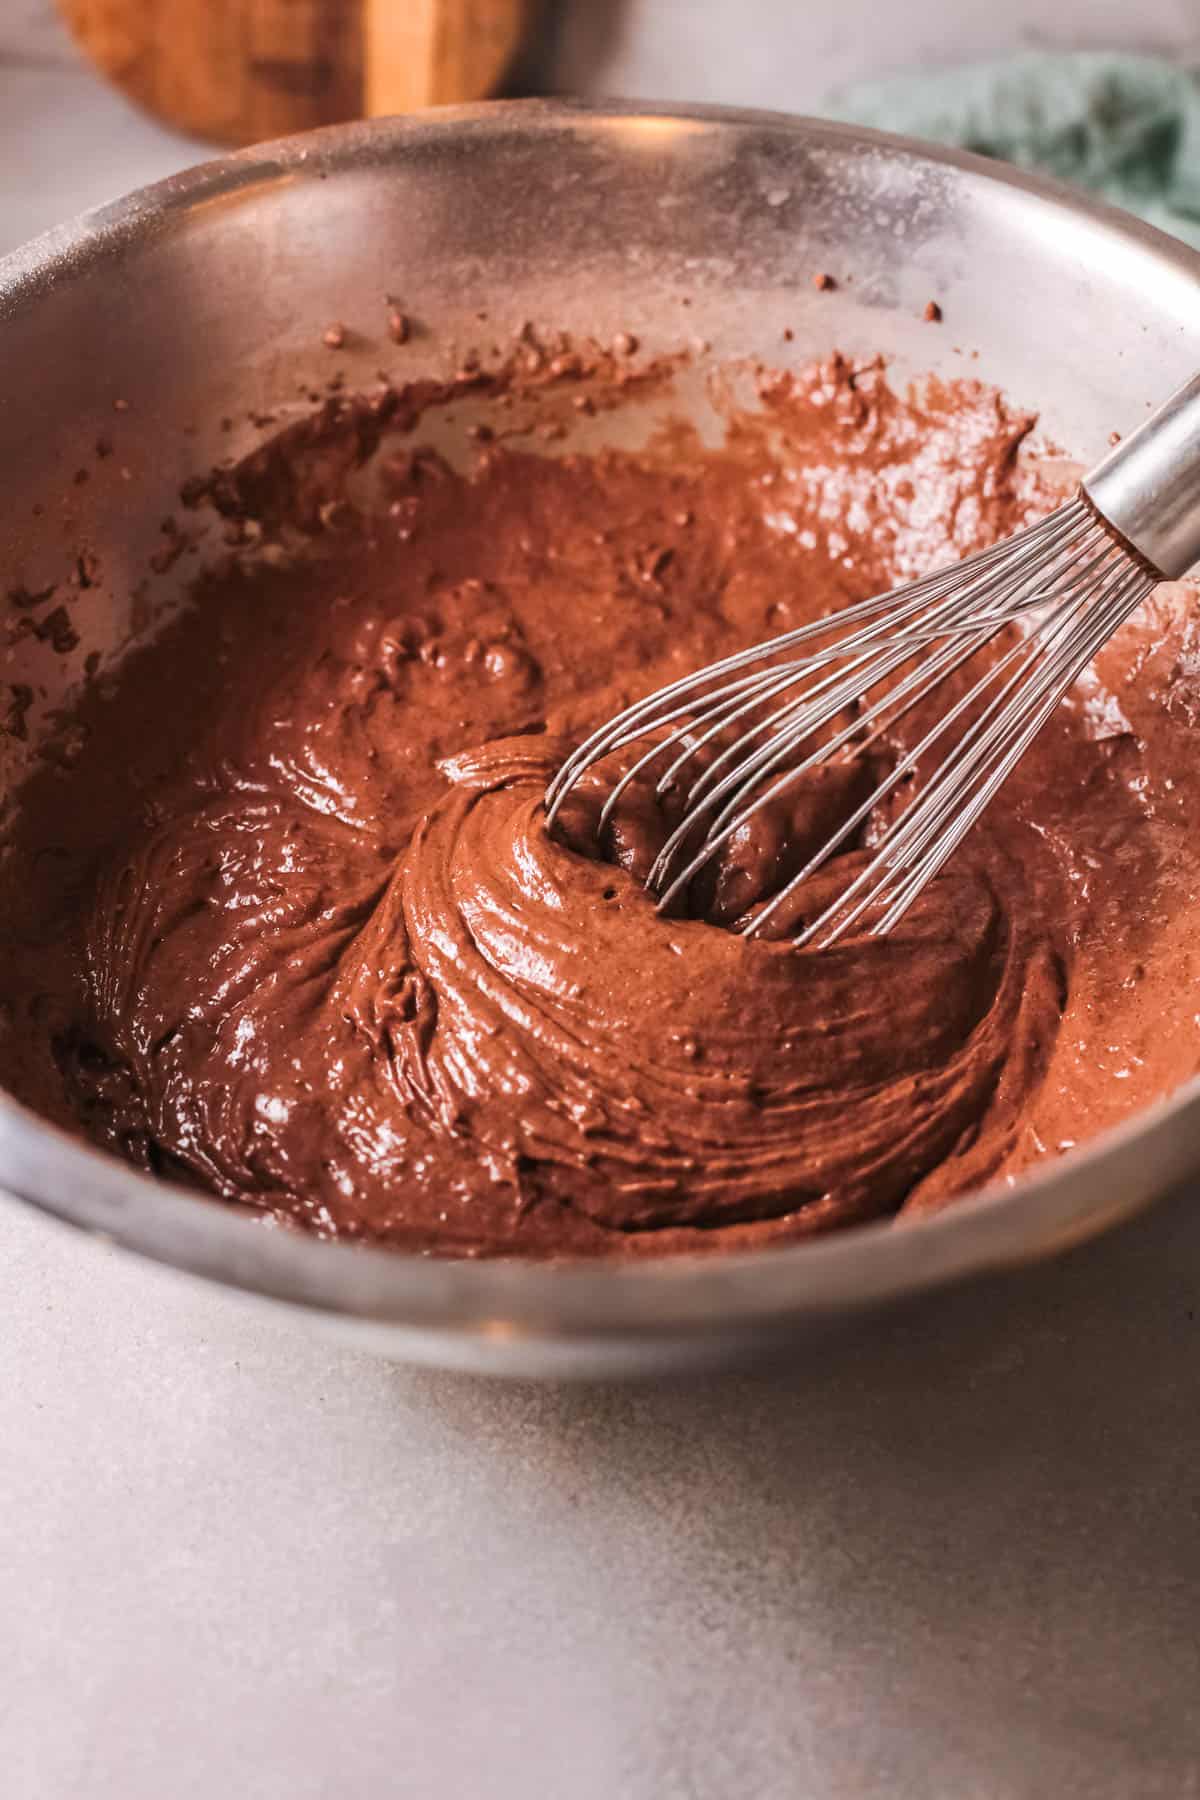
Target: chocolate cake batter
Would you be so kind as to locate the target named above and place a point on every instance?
(293, 931)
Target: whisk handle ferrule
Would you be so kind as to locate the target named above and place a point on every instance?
(1148, 487)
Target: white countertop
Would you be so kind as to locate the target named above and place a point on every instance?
(956, 1554)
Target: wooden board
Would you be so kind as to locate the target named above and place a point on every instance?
(435, 52)
(237, 71)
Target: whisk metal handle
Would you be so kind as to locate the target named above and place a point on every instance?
(1148, 487)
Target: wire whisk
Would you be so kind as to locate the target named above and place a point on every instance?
(732, 738)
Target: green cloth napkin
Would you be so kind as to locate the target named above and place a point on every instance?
(1125, 127)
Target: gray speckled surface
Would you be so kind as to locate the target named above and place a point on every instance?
(955, 1554)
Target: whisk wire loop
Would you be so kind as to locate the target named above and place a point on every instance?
(736, 736)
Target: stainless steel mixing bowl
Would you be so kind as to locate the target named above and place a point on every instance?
(204, 298)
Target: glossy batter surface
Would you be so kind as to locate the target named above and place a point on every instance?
(293, 929)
